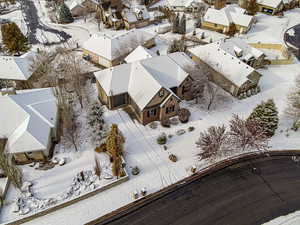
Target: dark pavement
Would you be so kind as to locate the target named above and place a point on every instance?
(34, 23)
(294, 40)
(232, 196)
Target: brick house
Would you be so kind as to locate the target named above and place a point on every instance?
(152, 87)
(229, 66)
(110, 48)
(220, 20)
(29, 121)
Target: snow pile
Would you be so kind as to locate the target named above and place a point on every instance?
(290, 219)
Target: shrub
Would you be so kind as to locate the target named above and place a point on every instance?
(153, 125)
(162, 139)
(173, 158)
(174, 121)
(190, 129)
(165, 122)
(184, 115)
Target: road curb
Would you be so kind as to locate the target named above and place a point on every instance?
(131, 207)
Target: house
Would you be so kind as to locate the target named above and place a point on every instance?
(29, 121)
(228, 66)
(270, 6)
(82, 7)
(245, 52)
(110, 48)
(139, 53)
(135, 17)
(17, 68)
(220, 20)
(110, 12)
(184, 5)
(151, 88)
(290, 4)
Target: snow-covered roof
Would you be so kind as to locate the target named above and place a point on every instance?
(143, 79)
(112, 44)
(27, 118)
(223, 62)
(234, 45)
(271, 3)
(72, 4)
(182, 3)
(16, 67)
(138, 54)
(227, 15)
(132, 14)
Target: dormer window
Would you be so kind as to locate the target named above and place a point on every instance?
(161, 93)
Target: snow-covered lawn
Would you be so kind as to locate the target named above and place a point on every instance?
(290, 219)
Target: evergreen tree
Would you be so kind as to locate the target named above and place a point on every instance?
(266, 115)
(182, 26)
(13, 39)
(175, 27)
(64, 13)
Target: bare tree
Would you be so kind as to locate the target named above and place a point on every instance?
(211, 93)
(198, 83)
(247, 134)
(293, 109)
(71, 69)
(213, 142)
(97, 168)
(68, 117)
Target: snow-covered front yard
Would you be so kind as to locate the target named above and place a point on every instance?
(141, 149)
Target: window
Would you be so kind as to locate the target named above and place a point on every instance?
(170, 109)
(215, 25)
(151, 113)
(161, 93)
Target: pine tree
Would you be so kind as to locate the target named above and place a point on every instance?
(176, 24)
(13, 39)
(182, 25)
(266, 115)
(65, 15)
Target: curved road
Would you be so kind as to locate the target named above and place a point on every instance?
(293, 40)
(233, 196)
(34, 23)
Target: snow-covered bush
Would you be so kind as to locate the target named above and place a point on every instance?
(165, 122)
(162, 139)
(153, 125)
(184, 115)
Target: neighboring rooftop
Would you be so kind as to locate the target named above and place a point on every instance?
(27, 118)
(271, 3)
(135, 13)
(226, 63)
(112, 44)
(138, 54)
(143, 79)
(16, 67)
(227, 15)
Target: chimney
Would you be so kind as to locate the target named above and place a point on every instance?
(219, 4)
(8, 91)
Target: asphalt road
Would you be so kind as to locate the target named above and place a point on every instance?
(294, 40)
(34, 23)
(232, 196)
